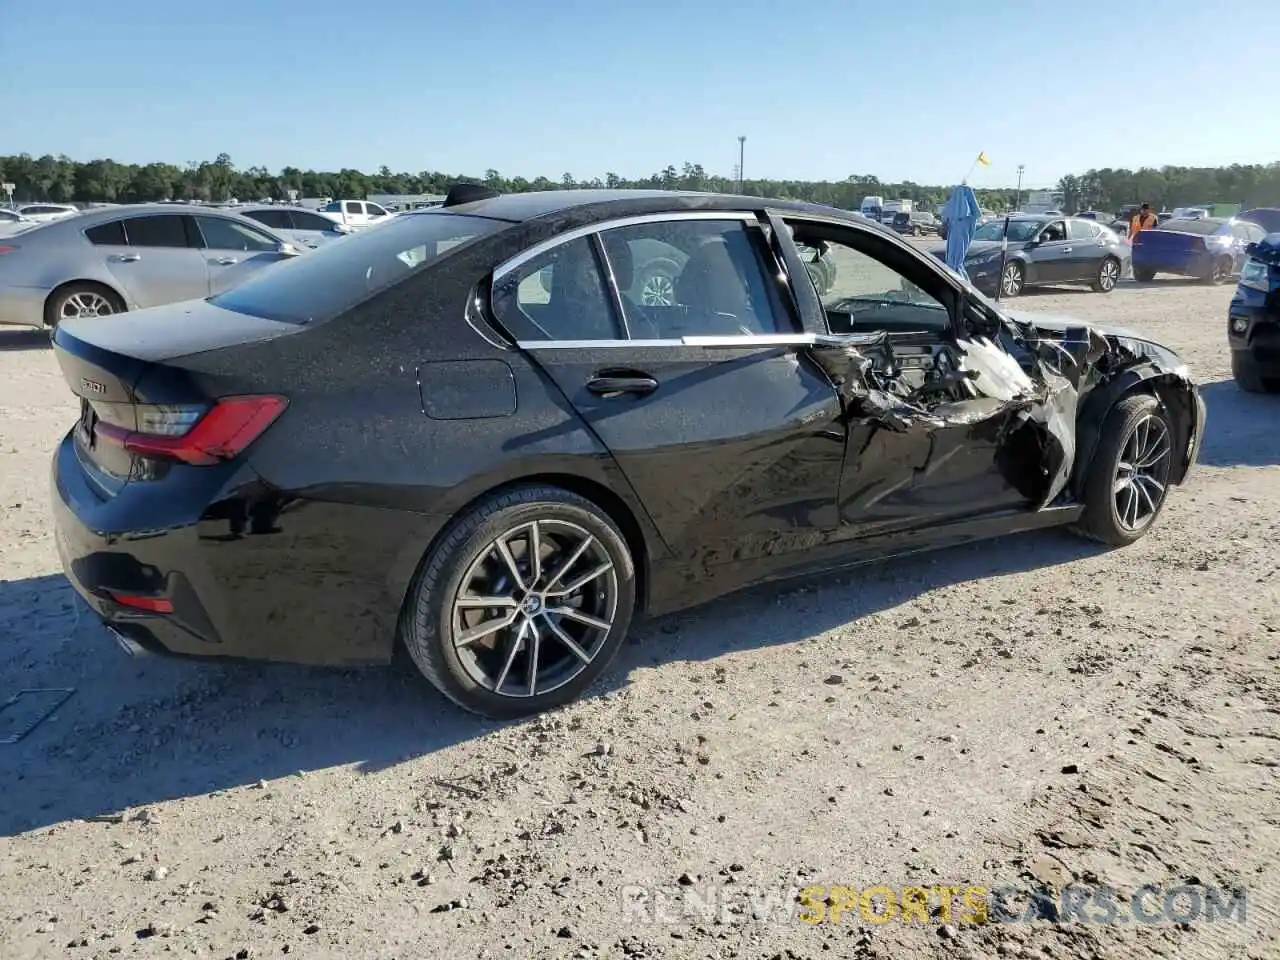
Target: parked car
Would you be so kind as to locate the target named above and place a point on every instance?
(306, 229)
(1253, 319)
(11, 221)
(916, 223)
(126, 258)
(1120, 228)
(357, 214)
(402, 439)
(44, 212)
(1043, 250)
(1210, 248)
(1268, 218)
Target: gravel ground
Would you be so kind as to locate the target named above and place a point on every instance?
(1032, 710)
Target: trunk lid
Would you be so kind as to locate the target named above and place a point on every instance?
(121, 368)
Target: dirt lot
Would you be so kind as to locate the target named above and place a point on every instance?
(1032, 710)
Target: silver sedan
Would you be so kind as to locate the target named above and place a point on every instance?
(127, 258)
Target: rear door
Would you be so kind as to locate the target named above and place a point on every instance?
(1050, 256)
(152, 258)
(1085, 249)
(731, 435)
(234, 251)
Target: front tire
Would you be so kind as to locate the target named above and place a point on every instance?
(1108, 275)
(1128, 479)
(1012, 279)
(522, 604)
(1248, 377)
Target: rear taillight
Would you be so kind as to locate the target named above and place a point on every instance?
(193, 434)
(7, 249)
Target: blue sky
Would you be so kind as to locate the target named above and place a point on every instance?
(903, 89)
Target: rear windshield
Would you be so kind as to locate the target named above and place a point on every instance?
(1205, 225)
(321, 284)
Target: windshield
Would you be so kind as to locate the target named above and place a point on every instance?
(1201, 225)
(1019, 230)
(323, 283)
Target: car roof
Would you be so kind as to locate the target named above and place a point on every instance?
(589, 206)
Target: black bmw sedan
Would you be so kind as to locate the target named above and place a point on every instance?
(470, 433)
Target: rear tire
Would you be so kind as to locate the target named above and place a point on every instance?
(490, 674)
(1123, 494)
(80, 299)
(1248, 377)
(1219, 271)
(1108, 275)
(1143, 274)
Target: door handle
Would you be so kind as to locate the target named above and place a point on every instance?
(126, 258)
(226, 261)
(612, 386)
(1066, 249)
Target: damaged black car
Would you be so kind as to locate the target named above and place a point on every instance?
(471, 435)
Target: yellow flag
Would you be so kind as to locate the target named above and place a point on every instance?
(984, 159)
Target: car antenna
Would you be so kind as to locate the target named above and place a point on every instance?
(461, 193)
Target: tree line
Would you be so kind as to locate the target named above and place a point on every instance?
(63, 180)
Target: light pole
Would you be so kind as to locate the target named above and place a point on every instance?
(742, 149)
(1017, 197)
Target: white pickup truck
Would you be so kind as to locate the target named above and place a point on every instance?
(356, 214)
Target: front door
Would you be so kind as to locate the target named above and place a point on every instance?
(730, 435)
(152, 259)
(934, 457)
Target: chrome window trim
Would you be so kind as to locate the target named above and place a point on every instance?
(517, 261)
(743, 340)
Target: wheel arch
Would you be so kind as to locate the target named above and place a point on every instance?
(1174, 394)
(84, 282)
(642, 546)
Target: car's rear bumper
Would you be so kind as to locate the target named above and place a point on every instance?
(1196, 265)
(226, 588)
(22, 306)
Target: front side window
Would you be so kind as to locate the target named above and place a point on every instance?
(302, 220)
(860, 290)
(338, 276)
(165, 230)
(692, 277)
(1053, 232)
(276, 219)
(374, 210)
(558, 295)
(220, 234)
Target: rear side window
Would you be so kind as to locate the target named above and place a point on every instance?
(1082, 229)
(165, 230)
(681, 278)
(107, 234)
(338, 276)
(558, 295)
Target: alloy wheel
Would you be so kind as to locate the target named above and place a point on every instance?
(1109, 275)
(658, 291)
(534, 608)
(1142, 473)
(1011, 280)
(86, 303)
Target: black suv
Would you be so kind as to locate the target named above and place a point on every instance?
(1253, 319)
(915, 223)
